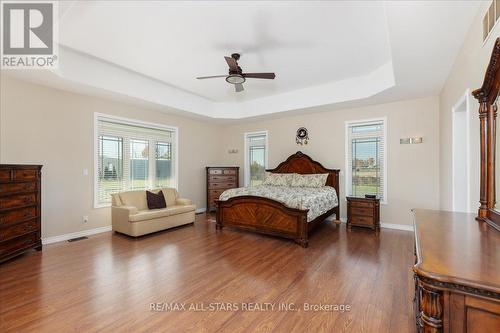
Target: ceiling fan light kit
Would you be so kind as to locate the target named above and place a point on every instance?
(236, 75)
(235, 79)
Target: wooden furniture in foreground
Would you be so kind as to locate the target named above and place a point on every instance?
(363, 212)
(457, 269)
(20, 207)
(271, 217)
(220, 179)
(457, 273)
(487, 97)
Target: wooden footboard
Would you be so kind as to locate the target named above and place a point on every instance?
(265, 216)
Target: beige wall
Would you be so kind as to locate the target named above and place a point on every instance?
(467, 73)
(413, 170)
(46, 126)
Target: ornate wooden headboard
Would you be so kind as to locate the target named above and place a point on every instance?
(303, 164)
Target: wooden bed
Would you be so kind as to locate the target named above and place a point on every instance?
(271, 217)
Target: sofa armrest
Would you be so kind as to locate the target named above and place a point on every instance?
(122, 213)
(183, 202)
(130, 209)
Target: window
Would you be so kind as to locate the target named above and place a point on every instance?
(366, 158)
(255, 158)
(132, 156)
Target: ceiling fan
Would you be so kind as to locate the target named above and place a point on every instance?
(236, 75)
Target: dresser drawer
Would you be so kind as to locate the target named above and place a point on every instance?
(362, 211)
(215, 193)
(17, 187)
(229, 172)
(19, 200)
(13, 216)
(18, 229)
(215, 171)
(362, 204)
(222, 185)
(25, 174)
(211, 202)
(5, 175)
(363, 220)
(18, 243)
(221, 178)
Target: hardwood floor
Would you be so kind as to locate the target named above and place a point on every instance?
(108, 282)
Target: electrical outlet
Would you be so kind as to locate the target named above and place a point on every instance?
(85, 219)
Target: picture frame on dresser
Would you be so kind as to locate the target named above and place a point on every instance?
(20, 209)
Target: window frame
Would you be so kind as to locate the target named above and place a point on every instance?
(131, 122)
(247, 157)
(348, 173)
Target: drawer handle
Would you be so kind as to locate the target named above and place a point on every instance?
(27, 241)
(28, 227)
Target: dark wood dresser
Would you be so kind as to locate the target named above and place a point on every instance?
(363, 212)
(20, 208)
(457, 273)
(220, 179)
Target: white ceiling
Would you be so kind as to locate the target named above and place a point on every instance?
(322, 52)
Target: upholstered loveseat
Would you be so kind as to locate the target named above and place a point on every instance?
(130, 214)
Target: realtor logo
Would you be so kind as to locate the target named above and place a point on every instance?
(28, 34)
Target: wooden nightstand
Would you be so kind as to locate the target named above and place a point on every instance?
(363, 212)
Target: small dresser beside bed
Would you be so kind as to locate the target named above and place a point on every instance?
(295, 197)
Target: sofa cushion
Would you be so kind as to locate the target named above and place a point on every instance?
(144, 215)
(170, 195)
(155, 200)
(134, 198)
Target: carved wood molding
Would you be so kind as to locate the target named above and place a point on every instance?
(456, 286)
(431, 309)
(487, 96)
(489, 90)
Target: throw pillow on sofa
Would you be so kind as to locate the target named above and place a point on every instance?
(155, 200)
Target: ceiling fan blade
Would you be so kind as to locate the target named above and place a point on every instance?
(210, 77)
(233, 65)
(259, 75)
(238, 87)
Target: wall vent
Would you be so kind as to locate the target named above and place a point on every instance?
(77, 239)
(490, 18)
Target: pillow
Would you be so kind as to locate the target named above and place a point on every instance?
(312, 180)
(278, 179)
(155, 201)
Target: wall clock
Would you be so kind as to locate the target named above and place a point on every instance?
(302, 136)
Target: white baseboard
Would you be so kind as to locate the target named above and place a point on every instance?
(404, 227)
(200, 210)
(65, 237)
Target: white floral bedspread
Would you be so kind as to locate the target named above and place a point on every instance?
(318, 200)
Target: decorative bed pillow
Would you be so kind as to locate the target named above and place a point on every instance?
(278, 179)
(155, 201)
(312, 180)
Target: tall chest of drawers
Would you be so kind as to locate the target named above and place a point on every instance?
(20, 208)
(220, 179)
